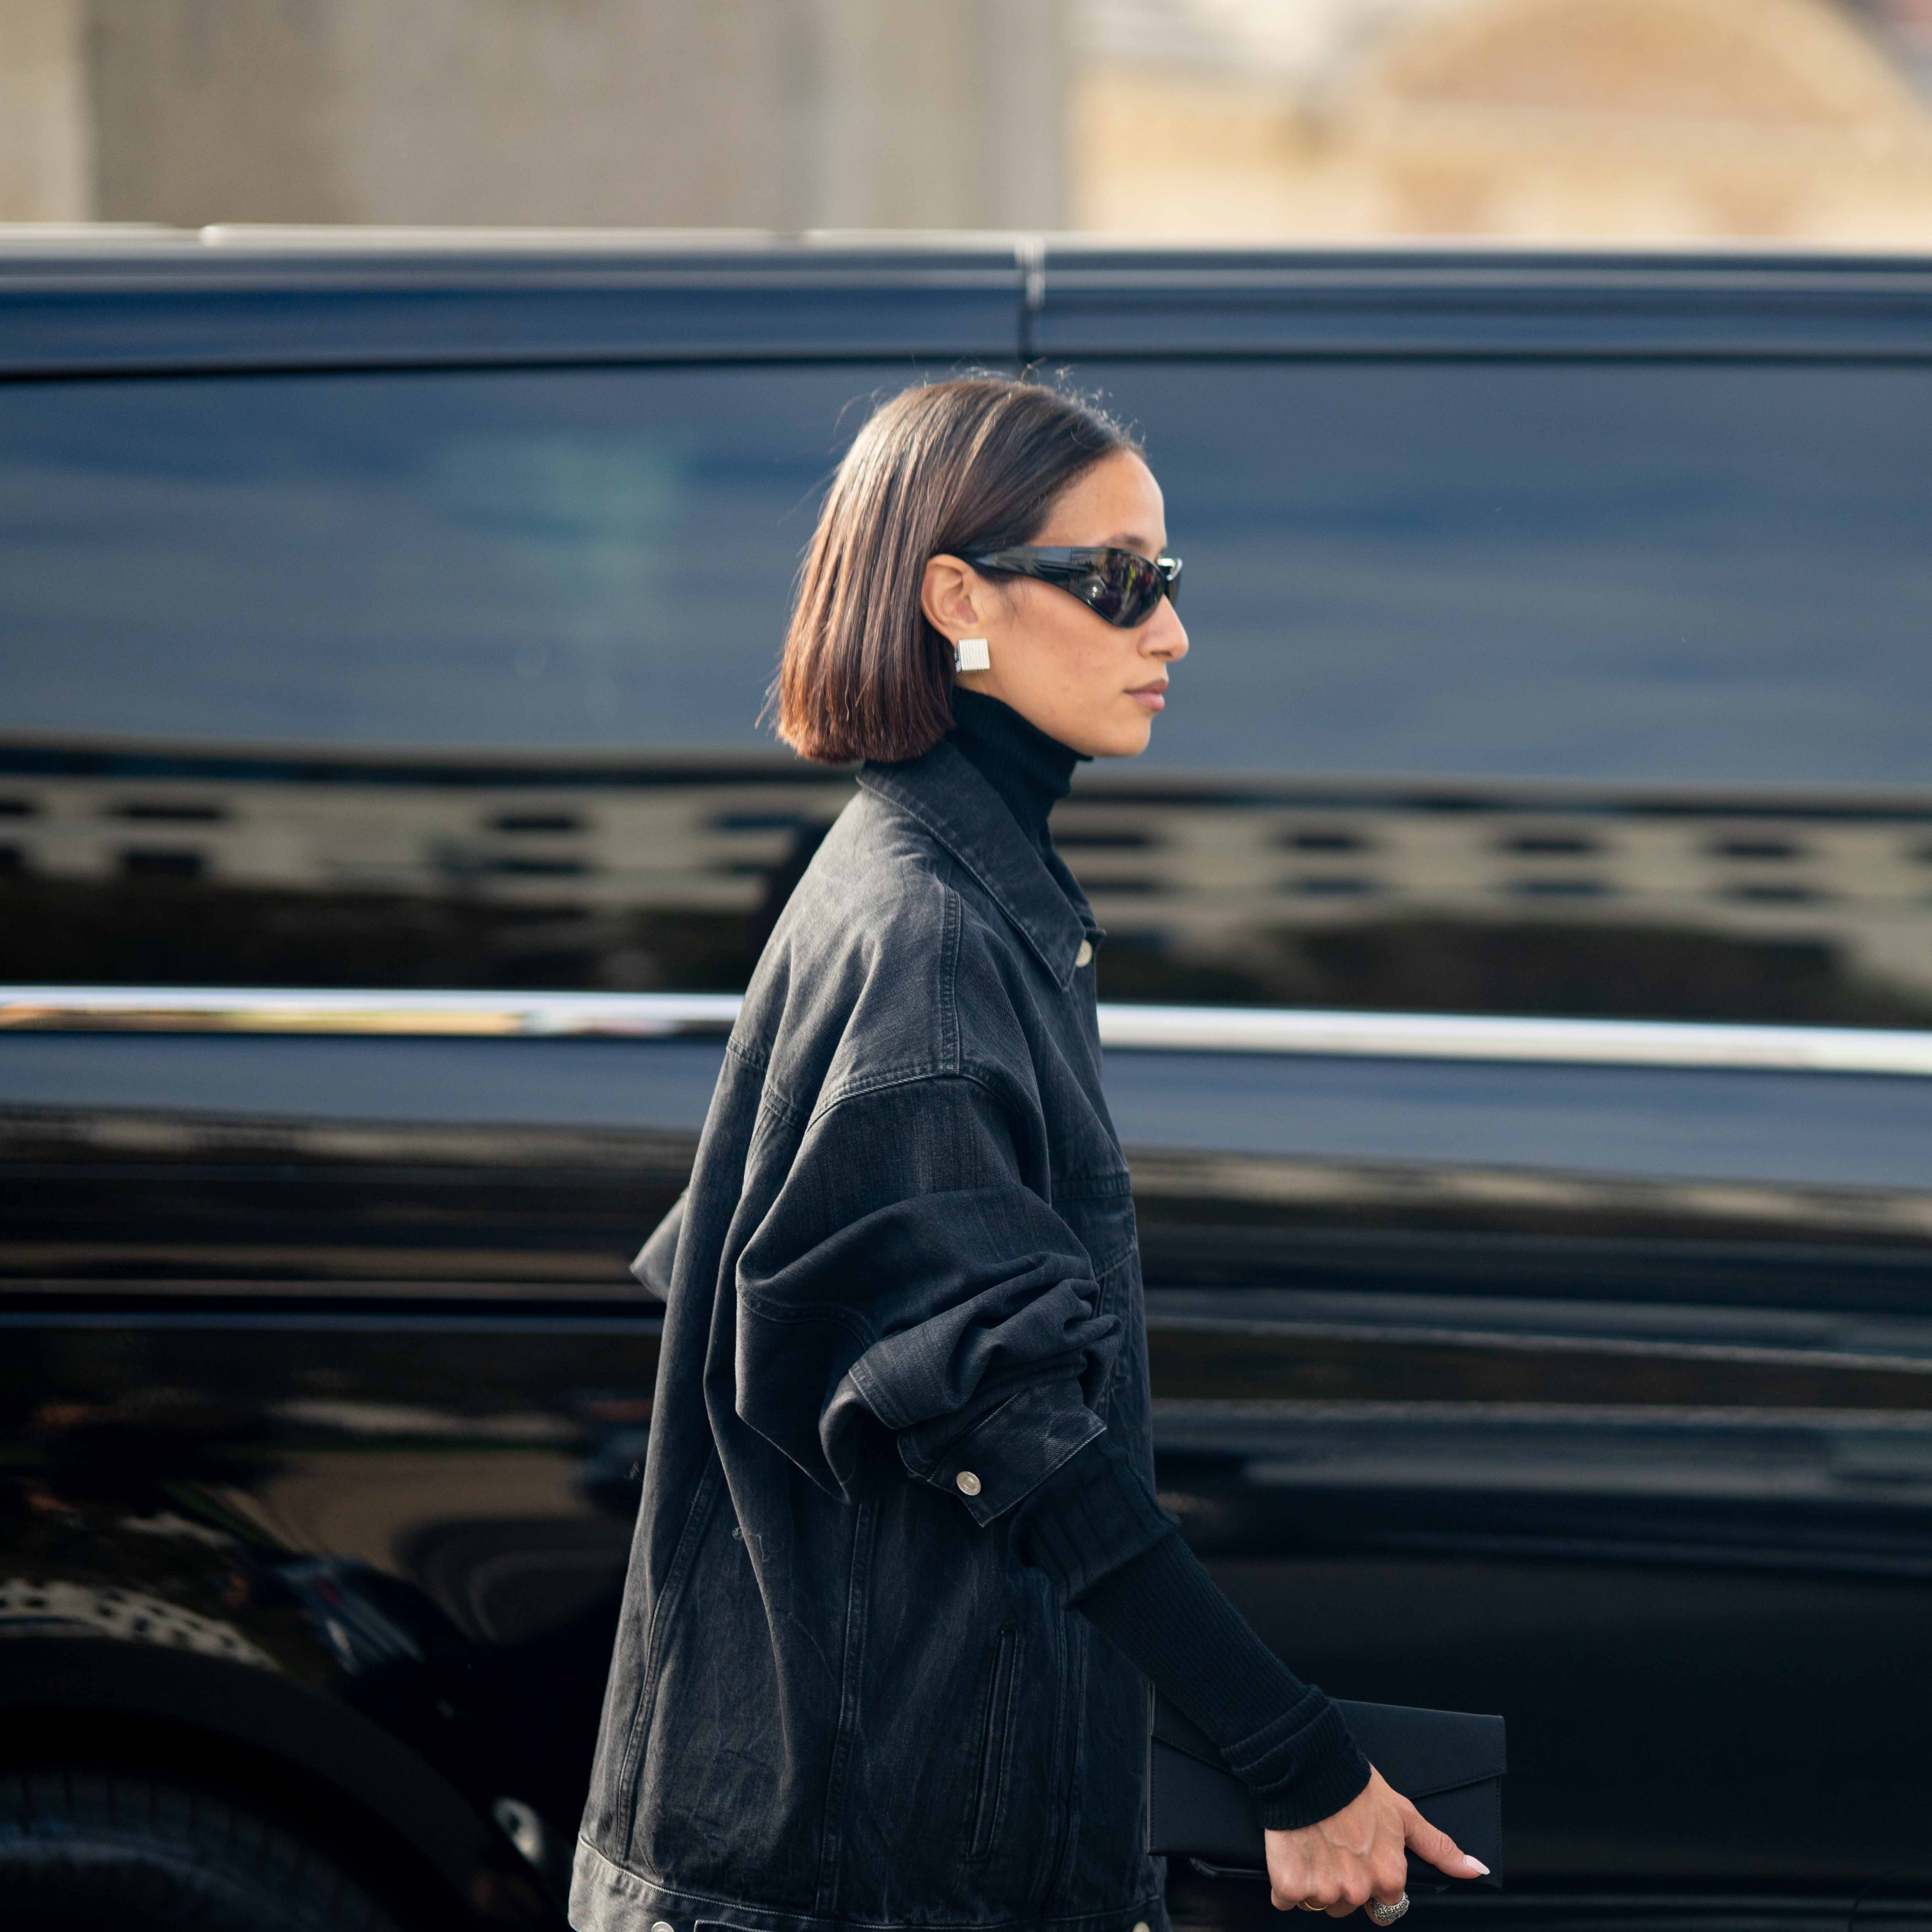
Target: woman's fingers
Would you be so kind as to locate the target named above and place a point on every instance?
(1428, 1841)
(1339, 1884)
(1308, 1880)
(1339, 1865)
(1391, 1881)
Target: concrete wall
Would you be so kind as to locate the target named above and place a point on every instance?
(46, 167)
(784, 114)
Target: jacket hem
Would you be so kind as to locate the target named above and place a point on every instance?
(607, 1897)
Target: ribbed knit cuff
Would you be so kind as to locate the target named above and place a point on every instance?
(1094, 1528)
(1304, 1767)
(1163, 1610)
(1094, 1515)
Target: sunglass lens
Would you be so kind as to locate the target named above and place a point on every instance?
(1101, 593)
(1122, 588)
(1140, 588)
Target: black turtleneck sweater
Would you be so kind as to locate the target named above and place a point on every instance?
(1094, 1527)
(1031, 771)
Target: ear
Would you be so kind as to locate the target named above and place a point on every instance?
(954, 598)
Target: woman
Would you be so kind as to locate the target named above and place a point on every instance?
(900, 1583)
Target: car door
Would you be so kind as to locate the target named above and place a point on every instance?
(1520, 948)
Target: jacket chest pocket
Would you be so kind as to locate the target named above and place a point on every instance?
(1100, 1209)
(1102, 1214)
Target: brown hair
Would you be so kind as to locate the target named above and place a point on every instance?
(973, 464)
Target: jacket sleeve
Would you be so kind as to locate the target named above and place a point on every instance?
(904, 1276)
(658, 1255)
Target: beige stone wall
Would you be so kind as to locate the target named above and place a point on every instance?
(46, 158)
(1616, 119)
(1589, 118)
(781, 114)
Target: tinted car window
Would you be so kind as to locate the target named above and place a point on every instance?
(423, 680)
(1585, 688)
(1692, 575)
(540, 559)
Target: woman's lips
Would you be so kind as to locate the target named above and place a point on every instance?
(1151, 696)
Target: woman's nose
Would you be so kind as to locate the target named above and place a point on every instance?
(1168, 635)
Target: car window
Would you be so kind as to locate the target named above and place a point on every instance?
(1573, 688)
(1686, 574)
(417, 680)
(1590, 688)
(540, 558)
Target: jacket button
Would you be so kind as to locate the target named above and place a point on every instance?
(659, 1925)
(1140, 1925)
(969, 1486)
(1084, 957)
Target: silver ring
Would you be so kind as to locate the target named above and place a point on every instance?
(1386, 1915)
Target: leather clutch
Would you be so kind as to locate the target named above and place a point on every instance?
(1449, 1764)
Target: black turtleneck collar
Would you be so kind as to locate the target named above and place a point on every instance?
(1031, 772)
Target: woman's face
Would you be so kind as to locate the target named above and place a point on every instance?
(1095, 687)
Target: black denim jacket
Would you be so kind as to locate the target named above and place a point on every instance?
(902, 1289)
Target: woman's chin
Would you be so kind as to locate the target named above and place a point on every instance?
(1113, 737)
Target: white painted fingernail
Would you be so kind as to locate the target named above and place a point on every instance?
(1476, 1865)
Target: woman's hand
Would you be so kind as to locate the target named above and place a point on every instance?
(1360, 1853)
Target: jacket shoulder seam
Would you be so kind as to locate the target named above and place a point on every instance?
(862, 1087)
(747, 1055)
(772, 1098)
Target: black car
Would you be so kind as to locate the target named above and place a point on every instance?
(1518, 993)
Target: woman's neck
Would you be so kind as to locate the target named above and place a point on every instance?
(1030, 771)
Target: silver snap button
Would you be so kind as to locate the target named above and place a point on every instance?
(1084, 957)
(660, 1925)
(1140, 1925)
(969, 1486)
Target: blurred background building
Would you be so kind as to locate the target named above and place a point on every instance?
(1611, 118)
(1799, 119)
(782, 114)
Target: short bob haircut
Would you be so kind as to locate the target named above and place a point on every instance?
(944, 467)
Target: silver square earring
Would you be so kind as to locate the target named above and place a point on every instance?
(971, 654)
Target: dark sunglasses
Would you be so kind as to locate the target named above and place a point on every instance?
(1117, 585)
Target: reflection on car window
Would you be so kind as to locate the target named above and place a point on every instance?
(1591, 688)
(1688, 575)
(542, 559)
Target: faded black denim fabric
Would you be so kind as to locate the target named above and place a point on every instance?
(902, 1290)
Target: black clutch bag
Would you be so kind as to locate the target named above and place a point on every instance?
(1449, 1764)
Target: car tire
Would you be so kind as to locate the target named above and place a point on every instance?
(123, 1851)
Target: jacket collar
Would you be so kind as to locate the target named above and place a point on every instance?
(946, 795)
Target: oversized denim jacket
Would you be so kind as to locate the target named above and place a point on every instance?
(902, 1290)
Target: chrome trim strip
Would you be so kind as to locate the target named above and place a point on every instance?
(1169, 1029)
(283, 1010)
(1486, 1037)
